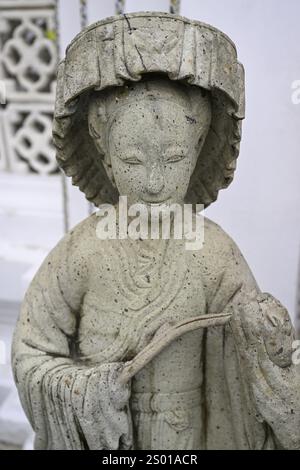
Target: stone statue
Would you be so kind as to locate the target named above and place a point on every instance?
(140, 343)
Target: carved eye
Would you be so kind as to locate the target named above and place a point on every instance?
(174, 158)
(132, 161)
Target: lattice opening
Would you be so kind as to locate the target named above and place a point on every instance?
(44, 55)
(28, 36)
(14, 55)
(32, 75)
(38, 126)
(26, 142)
(41, 158)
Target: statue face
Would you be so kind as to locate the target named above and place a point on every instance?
(153, 147)
(151, 134)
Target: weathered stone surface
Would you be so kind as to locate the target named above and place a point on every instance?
(142, 343)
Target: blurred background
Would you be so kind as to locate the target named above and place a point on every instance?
(260, 210)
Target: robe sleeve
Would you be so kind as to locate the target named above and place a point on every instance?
(258, 381)
(69, 405)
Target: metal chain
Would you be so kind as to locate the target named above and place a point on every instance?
(83, 24)
(119, 7)
(298, 305)
(63, 176)
(83, 14)
(175, 7)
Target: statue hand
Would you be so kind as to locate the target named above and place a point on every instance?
(102, 407)
(263, 335)
(262, 329)
(119, 391)
(276, 330)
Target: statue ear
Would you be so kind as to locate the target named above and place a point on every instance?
(96, 126)
(200, 142)
(203, 113)
(199, 147)
(97, 129)
(97, 136)
(109, 171)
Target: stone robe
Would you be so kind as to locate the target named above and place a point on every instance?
(95, 304)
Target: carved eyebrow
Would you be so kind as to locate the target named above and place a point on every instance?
(131, 153)
(190, 119)
(175, 150)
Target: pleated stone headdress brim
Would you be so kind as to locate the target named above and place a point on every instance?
(123, 49)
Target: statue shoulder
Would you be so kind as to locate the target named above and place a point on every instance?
(222, 255)
(72, 253)
(82, 238)
(217, 243)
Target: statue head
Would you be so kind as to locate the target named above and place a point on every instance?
(151, 134)
(149, 106)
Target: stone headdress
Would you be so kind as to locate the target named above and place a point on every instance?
(117, 50)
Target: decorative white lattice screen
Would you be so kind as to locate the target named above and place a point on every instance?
(28, 60)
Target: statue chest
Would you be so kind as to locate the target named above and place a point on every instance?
(133, 295)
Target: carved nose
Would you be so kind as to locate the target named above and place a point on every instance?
(156, 179)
